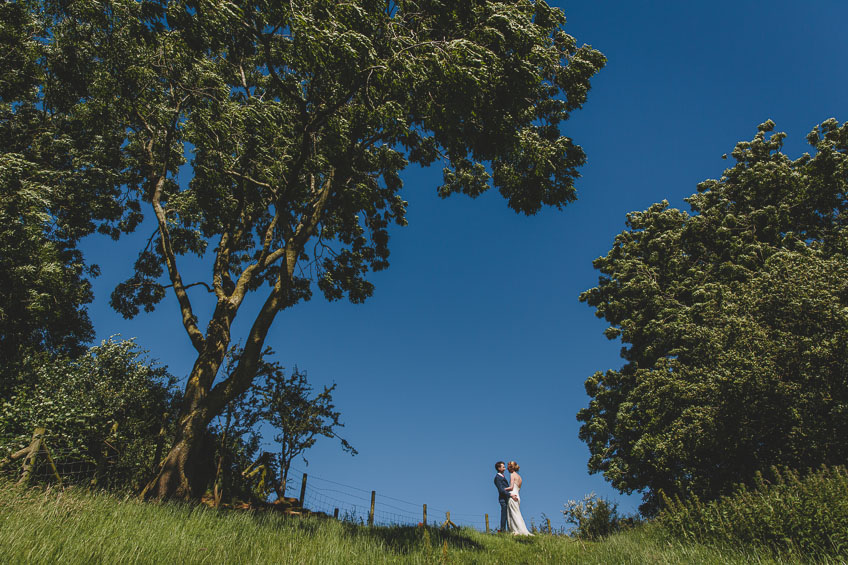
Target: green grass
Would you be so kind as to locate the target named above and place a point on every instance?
(74, 526)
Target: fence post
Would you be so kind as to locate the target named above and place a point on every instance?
(549, 526)
(104, 454)
(303, 492)
(52, 463)
(336, 513)
(29, 460)
(487, 523)
(425, 515)
(160, 442)
(371, 514)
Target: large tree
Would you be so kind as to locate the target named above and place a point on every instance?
(297, 119)
(734, 319)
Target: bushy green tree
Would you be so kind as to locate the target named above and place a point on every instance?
(299, 118)
(59, 181)
(103, 412)
(734, 320)
(783, 511)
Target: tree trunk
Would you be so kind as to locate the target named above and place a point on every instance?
(189, 466)
(187, 469)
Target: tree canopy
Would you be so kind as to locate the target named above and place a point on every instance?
(59, 181)
(734, 320)
(292, 123)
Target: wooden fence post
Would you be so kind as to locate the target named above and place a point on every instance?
(160, 442)
(549, 526)
(104, 454)
(336, 513)
(425, 515)
(448, 522)
(303, 492)
(52, 463)
(487, 523)
(371, 513)
(31, 452)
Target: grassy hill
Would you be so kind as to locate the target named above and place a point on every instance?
(74, 526)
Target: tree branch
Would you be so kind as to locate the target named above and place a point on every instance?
(189, 320)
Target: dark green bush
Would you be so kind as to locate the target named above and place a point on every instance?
(595, 517)
(103, 413)
(792, 512)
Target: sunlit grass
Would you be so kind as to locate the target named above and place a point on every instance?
(55, 526)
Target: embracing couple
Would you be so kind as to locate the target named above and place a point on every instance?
(509, 499)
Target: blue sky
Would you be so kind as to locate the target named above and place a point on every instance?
(474, 346)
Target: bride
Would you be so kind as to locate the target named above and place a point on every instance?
(516, 522)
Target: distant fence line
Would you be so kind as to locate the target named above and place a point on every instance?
(362, 506)
(38, 461)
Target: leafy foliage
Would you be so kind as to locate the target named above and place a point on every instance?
(735, 327)
(58, 183)
(43, 284)
(594, 517)
(298, 419)
(106, 405)
(788, 513)
(297, 120)
(286, 405)
(242, 473)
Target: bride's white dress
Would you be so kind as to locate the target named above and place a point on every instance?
(516, 521)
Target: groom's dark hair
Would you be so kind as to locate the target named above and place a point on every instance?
(498, 464)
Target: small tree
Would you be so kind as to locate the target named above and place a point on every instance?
(236, 437)
(299, 419)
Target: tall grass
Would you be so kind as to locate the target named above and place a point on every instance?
(74, 526)
(807, 515)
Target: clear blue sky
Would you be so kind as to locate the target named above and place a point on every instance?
(474, 346)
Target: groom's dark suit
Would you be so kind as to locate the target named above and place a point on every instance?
(503, 497)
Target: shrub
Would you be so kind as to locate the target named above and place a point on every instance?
(593, 517)
(103, 412)
(808, 514)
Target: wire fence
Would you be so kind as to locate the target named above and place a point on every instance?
(36, 461)
(354, 504)
(39, 462)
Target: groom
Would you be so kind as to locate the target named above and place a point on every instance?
(503, 496)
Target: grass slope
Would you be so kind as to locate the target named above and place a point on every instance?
(55, 526)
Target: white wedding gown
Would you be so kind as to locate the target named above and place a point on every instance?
(516, 521)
